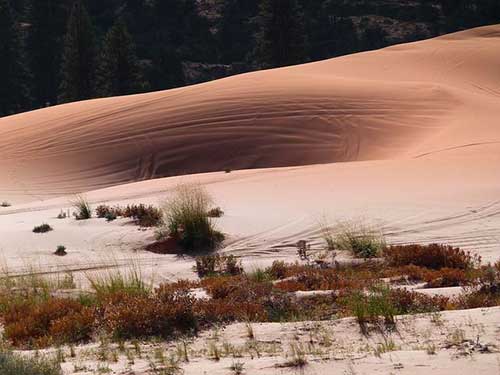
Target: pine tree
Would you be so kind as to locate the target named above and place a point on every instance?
(119, 72)
(45, 42)
(14, 77)
(79, 57)
(234, 31)
(280, 37)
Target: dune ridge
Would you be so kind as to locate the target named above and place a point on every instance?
(405, 101)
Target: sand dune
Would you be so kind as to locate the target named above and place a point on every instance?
(397, 103)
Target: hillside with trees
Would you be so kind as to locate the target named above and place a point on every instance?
(58, 51)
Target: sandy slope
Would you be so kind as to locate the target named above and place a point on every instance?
(429, 109)
(395, 103)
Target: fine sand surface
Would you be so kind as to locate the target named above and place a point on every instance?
(406, 138)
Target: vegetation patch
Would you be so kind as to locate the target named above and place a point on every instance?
(124, 307)
(433, 256)
(211, 265)
(187, 222)
(14, 364)
(144, 216)
(358, 238)
(44, 228)
(82, 207)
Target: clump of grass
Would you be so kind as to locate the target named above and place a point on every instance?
(44, 228)
(368, 308)
(5, 204)
(60, 250)
(298, 357)
(82, 207)
(14, 364)
(215, 212)
(237, 367)
(211, 265)
(111, 282)
(359, 239)
(187, 221)
(62, 215)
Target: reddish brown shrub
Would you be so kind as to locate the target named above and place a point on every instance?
(74, 327)
(145, 216)
(409, 302)
(25, 324)
(433, 256)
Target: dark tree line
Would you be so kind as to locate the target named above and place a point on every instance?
(57, 51)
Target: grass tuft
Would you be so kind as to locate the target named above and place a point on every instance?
(82, 207)
(187, 221)
(14, 364)
(358, 238)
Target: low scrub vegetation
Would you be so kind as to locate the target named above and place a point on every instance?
(124, 307)
(5, 204)
(187, 221)
(433, 256)
(60, 250)
(44, 228)
(212, 265)
(14, 364)
(82, 207)
(143, 215)
(215, 212)
(357, 238)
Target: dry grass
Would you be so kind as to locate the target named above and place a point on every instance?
(186, 218)
(357, 237)
(82, 207)
(14, 364)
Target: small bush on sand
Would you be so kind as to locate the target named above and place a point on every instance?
(82, 207)
(144, 216)
(44, 228)
(187, 221)
(14, 364)
(211, 265)
(359, 239)
(60, 250)
(433, 256)
(215, 212)
(5, 204)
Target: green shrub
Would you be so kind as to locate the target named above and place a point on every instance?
(210, 265)
(60, 250)
(14, 364)
(44, 228)
(357, 238)
(82, 207)
(370, 307)
(187, 221)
